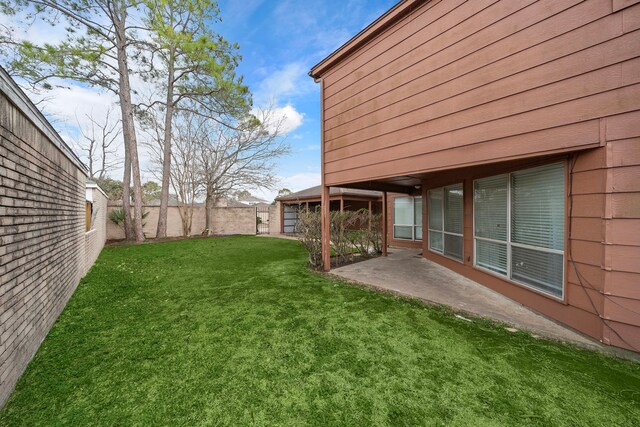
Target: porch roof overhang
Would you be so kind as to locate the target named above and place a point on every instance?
(314, 194)
(399, 184)
(412, 184)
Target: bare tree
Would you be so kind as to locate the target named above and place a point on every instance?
(213, 160)
(185, 173)
(190, 62)
(95, 52)
(99, 143)
(241, 158)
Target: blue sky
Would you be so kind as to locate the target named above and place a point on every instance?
(279, 42)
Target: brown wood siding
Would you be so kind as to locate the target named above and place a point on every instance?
(622, 230)
(455, 90)
(584, 301)
(455, 84)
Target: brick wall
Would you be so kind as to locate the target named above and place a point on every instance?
(275, 227)
(226, 220)
(42, 231)
(96, 237)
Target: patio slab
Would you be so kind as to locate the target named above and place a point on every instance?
(405, 272)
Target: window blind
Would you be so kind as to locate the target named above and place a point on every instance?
(519, 226)
(446, 220)
(537, 207)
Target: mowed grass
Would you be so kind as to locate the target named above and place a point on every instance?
(236, 331)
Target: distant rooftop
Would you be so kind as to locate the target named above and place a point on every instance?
(316, 193)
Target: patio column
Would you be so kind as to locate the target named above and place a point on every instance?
(326, 228)
(341, 204)
(384, 223)
(370, 215)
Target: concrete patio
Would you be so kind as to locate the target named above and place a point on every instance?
(405, 272)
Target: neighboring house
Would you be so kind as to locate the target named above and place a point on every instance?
(341, 199)
(253, 201)
(510, 133)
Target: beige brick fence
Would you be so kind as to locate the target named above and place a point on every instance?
(44, 246)
(226, 220)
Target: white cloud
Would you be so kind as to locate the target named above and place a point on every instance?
(295, 182)
(69, 109)
(291, 118)
(301, 181)
(286, 118)
(39, 32)
(278, 88)
(67, 103)
(288, 81)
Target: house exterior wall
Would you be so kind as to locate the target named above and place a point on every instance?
(453, 91)
(226, 220)
(458, 83)
(42, 233)
(602, 285)
(97, 236)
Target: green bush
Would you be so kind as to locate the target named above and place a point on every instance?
(116, 216)
(350, 233)
(309, 229)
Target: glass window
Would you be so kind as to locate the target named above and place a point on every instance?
(407, 218)
(88, 208)
(519, 226)
(417, 218)
(446, 221)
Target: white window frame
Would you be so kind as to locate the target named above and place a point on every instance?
(413, 215)
(443, 232)
(509, 244)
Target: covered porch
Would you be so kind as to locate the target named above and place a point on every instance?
(407, 273)
(341, 199)
(517, 229)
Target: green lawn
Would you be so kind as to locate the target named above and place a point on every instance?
(236, 331)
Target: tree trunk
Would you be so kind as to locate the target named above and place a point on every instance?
(128, 127)
(185, 215)
(190, 222)
(126, 193)
(161, 231)
(210, 202)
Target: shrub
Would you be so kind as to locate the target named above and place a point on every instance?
(309, 229)
(376, 233)
(116, 216)
(340, 224)
(350, 233)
